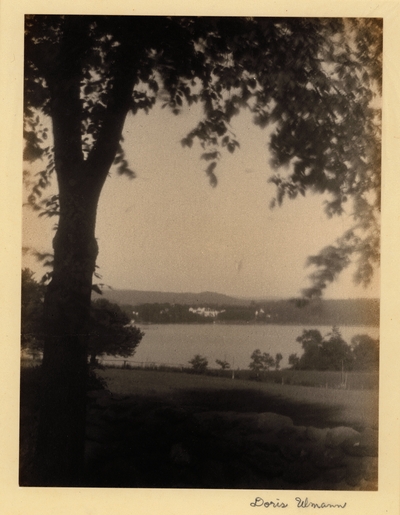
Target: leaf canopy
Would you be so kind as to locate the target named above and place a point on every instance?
(315, 82)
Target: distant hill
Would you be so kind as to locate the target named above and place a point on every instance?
(333, 312)
(136, 297)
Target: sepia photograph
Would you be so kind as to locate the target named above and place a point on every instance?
(201, 300)
(188, 169)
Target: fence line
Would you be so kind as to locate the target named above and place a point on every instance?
(141, 364)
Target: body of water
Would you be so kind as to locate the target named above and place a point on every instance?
(176, 344)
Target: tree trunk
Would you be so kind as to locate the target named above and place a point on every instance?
(59, 459)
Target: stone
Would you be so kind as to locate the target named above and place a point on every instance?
(267, 440)
(294, 451)
(315, 434)
(325, 457)
(369, 442)
(337, 436)
(292, 433)
(273, 422)
(367, 445)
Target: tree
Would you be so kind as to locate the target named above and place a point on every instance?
(330, 352)
(335, 353)
(199, 363)
(111, 331)
(311, 80)
(294, 361)
(261, 362)
(278, 359)
(311, 341)
(365, 352)
(223, 364)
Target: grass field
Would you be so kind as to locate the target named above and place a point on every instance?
(320, 407)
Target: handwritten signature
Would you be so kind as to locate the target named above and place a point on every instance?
(301, 503)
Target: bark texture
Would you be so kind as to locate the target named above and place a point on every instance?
(59, 455)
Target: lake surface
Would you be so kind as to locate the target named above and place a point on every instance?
(176, 344)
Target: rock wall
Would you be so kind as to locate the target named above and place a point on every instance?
(137, 444)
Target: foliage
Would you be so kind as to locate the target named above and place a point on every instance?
(166, 313)
(223, 364)
(236, 313)
(311, 341)
(331, 352)
(315, 82)
(261, 361)
(199, 363)
(32, 294)
(366, 352)
(318, 312)
(335, 353)
(294, 361)
(111, 331)
(278, 359)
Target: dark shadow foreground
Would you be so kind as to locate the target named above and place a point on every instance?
(213, 439)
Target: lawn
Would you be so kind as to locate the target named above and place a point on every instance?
(320, 407)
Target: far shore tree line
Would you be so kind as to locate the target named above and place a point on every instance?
(318, 311)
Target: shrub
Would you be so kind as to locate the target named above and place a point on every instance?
(199, 363)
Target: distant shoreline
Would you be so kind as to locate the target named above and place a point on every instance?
(238, 322)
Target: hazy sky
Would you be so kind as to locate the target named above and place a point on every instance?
(169, 230)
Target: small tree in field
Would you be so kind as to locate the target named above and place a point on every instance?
(223, 364)
(311, 341)
(261, 362)
(278, 359)
(199, 363)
